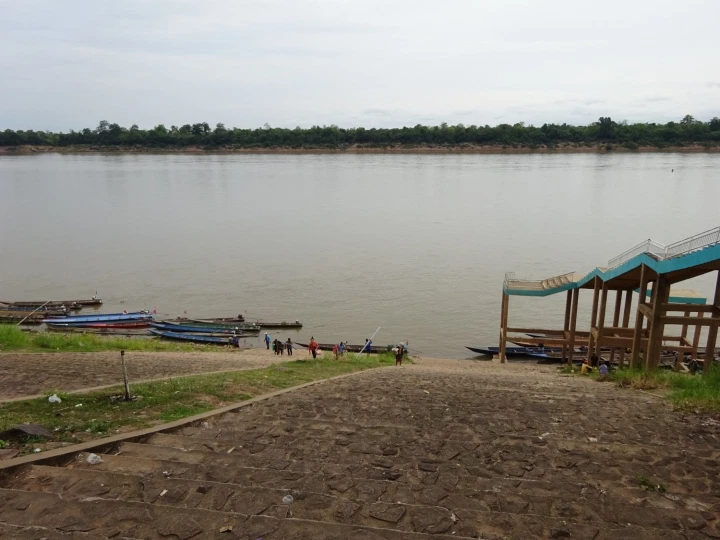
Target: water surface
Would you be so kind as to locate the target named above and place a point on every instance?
(415, 244)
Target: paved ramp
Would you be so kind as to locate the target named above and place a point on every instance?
(443, 450)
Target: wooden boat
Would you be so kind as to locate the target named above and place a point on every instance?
(105, 317)
(245, 327)
(259, 324)
(195, 338)
(509, 351)
(141, 323)
(60, 311)
(184, 328)
(102, 331)
(70, 304)
(374, 349)
(16, 317)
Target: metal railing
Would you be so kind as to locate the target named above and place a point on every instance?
(662, 252)
(693, 243)
(562, 278)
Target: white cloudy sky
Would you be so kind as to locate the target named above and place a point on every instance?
(66, 64)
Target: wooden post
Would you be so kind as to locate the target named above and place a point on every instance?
(593, 317)
(573, 325)
(601, 318)
(626, 321)
(503, 326)
(661, 292)
(637, 334)
(616, 319)
(696, 337)
(125, 376)
(712, 332)
(566, 326)
(684, 331)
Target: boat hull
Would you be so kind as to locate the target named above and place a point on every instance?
(183, 328)
(374, 349)
(194, 338)
(74, 319)
(143, 323)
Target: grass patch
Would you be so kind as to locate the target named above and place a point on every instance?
(81, 417)
(645, 483)
(14, 339)
(686, 391)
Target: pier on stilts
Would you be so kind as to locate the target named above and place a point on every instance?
(650, 269)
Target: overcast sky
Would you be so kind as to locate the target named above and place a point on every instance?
(68, 64)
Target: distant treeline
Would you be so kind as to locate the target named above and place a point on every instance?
(604, 131)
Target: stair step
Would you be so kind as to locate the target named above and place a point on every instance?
(568, 468)
(112, 518)
(321, 502)
(489, 448)
(101, 516)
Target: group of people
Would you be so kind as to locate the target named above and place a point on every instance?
(399, 351)
(603, 367)
(279, 347)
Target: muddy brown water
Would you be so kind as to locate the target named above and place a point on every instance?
(415, 244)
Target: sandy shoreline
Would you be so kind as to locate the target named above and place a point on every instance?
(356, 149)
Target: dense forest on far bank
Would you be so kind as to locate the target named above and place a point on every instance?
(605, 131)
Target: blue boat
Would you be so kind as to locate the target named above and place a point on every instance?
(192, 337)
(182, 328)
(73, 319)
(509, 351)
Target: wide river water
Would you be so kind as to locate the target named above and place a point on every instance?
(415, 244)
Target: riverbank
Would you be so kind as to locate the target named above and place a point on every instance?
(363, 149)
(92, 413)
(444, 448)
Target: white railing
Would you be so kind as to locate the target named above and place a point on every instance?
(693, 243)
(662, 252)
(562, 278)
(648, 246)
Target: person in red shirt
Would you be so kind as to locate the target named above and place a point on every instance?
(313, 347)
(335, 351)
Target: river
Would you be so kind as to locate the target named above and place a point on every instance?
(414, 244)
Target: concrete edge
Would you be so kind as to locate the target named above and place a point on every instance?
(5, 466)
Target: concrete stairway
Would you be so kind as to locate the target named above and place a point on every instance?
(385, 455)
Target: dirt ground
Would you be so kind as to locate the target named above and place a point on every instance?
(30, 374)
(443, 449)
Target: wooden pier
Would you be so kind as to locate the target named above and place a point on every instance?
(651, 270)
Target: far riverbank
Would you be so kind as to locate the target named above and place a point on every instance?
(362, 149)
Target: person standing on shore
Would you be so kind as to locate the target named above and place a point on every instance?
(368, 345)
(313, 347)
(267, 341)
(289, 346)
(341, 349)
(336, 350)
(400, 351)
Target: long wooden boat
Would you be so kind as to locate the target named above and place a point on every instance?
(70, 304)
(195, 338)
(60, 311)
(509, 351)
(374, 349)
(141, 323)
(259, 324)
(207, 328)
(74, 319)
(102, 331)
(183, 328)
(244, 326)
(15, 317)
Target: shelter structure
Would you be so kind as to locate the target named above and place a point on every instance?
(649, 269)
